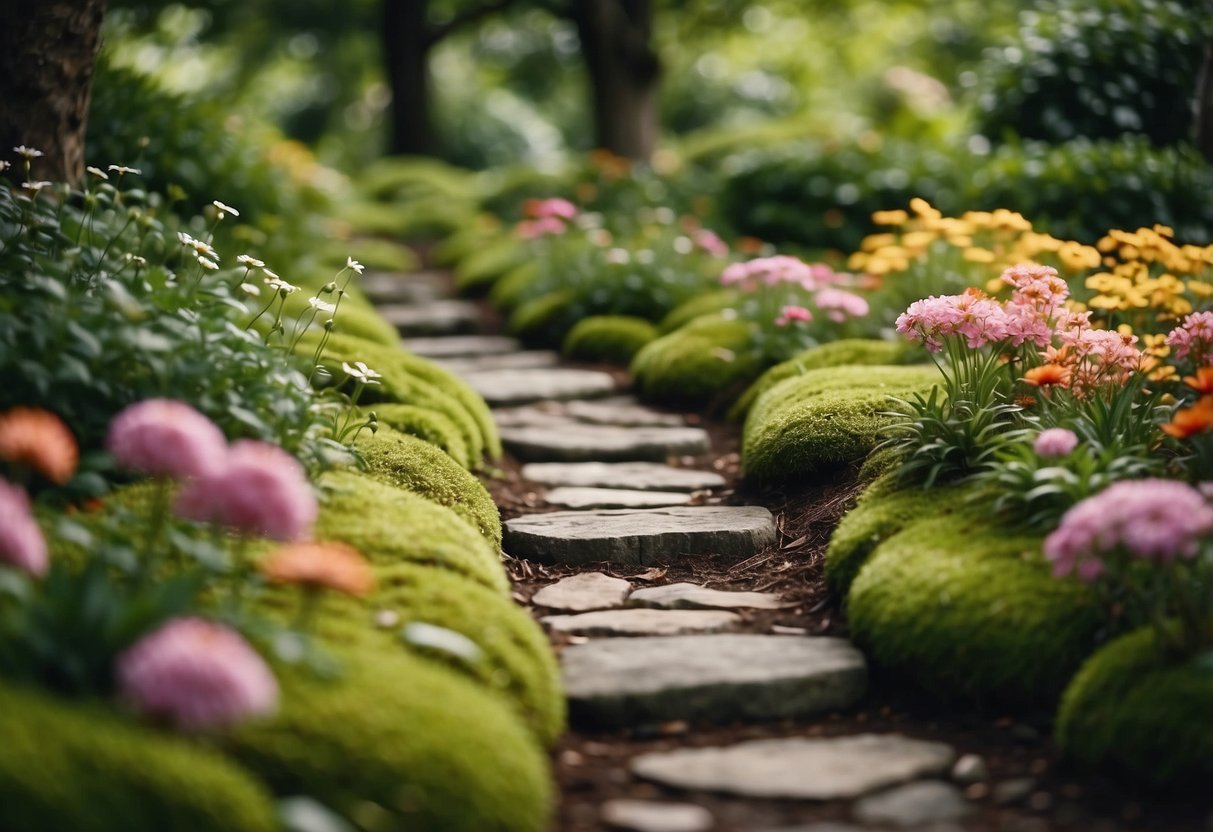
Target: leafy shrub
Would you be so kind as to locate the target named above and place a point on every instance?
(611, 338)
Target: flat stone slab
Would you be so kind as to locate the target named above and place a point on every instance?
(584, 592)
(622, 414)
(645, 536)
(575, 442)
(434, 318)
(462, 346)
(641, 622)
(914, 804)
(637, 476)
(837, 768)
(713, 677)
(651, 816)
(502, 388)
(581, 498)
(393, 287)
(684, 596)
(524, 360)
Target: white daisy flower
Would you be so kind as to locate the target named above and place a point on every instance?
(361, 372)
(28, 152)
(123, 170)
(279, 285)
(351, 263)
(250, 262)
(321, 306)
(36, 186)
(225, 209)
(207, 263)
(250, 289)
(97, 172)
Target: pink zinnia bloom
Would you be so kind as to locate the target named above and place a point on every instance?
(1055, 442)
(196, 675)
(165, 438)
(1194, 337)
(21, 542)
(840, 304)
(260, 490)
(1024, 274)
(793, 313)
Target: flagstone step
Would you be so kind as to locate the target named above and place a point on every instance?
(441, 317)
(642, 622)
(636, 476)
(394, 288)
(462, 346)
(523, 360)
(575, 442)
(503, 388)
(588, 498)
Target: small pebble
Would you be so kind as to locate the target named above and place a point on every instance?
(1013, 791)
(970, 769)
(386, 619)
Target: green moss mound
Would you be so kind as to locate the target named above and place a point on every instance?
(429, 425)
(1140, 714)
(969, 611)
(398, 744)
(487, 264)
(355, 317)
(417, 466)
(72, 766)
(390, 525)
(697, 364)
(544, 320)
(461, 243)
(824, 418)
(614, 339)
(848, 351)
(377, 254)
(508, 292)
(708, 303)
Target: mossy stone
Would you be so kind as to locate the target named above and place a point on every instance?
(614, 339)
(417, 466)
(847, 351)
(390, 525)
(968, 610)
(80, 767)
(487, 264)
(508, 292)
(707, 303)
(427, 424)
(697, 364)
(1137, 712)
(824, 418)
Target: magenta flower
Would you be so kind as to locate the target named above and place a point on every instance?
(196, 675)
(552, 207)
(1055, 442)
(21, 542)
(790, 314)
(261, 489)
(165, 438)
(710, 242)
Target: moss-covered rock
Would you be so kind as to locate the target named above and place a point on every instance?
(390, 525)
(848, 351)
(400, 743)
(697, 364)
(417, 466)
(544, 320)
(967, 610)
(508, 292)
(614, 339)
(426, 424)
(708, 303)
(824, 418)
(79, 767)
(1137, 712)
(488, 263)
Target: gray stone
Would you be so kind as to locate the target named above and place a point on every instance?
(578, 498)
(691, 597)
(970, 769)
(915, 804)
(825, 826)
(576, 442)
(644, 622)
(584, 592)
(525, 360)
(434, 318)
(629, 415)
(462, 346)
(502, 388)
(643, 536)
(393, 287)
(650, 816)
(637, 476)
(1013, 791)
(713, 677)
(797, 768)
(531, 416)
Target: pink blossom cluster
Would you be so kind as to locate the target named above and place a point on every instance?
(196, 675)
(22, 545)
(1194, 338)
(780, 268)
(793, 314)
(710, 242)
(165, 438)
(1055, 442)
(545, 217)
(978, 319)
(1154, 520)
(839, 304)
(1095, 357)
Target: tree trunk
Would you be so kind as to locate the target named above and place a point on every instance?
(406, 47)
(624, 73)
(48, 49)
(1204, 106)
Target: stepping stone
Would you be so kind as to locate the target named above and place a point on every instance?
(462, 346)
(584, 592)
(393, 287)
(525, 360)
(435, 318)
(573, 442)
(643, 622)
(580, 498)
(837, 768)
(644, 537)
(685, 596)
(715, 677)
(636, 476)
(650, 816)
(624, 415)
(503, 388)
(915, 804)
(530, 417)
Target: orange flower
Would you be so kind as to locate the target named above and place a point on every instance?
(330, 565)
(1202, 382)
(39, 440)
(1192, 420)
(1048, 375)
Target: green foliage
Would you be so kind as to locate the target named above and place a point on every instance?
(544, 320)
(701, 305)
(512, 286)
(698, 364)
(429, 425)
(1138, 712)
(78, 766)
(354, 317)
(485, 266)
(614, 339)
(374, 253)
(967, 610)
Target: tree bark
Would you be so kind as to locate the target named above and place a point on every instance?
(48, 49)
(624, 73)
(406, 48)
(1204, 106)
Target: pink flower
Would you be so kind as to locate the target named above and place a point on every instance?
(197, 675)
(543, 227)
(978, 319)
(1194, 337)
(840, 304)
(551, 208)
(1025, 274)
(793, 313)
(1055, 442)
(710, 242)
(771, 271)
(21, 542)
(1027, 324)
(260, 490)
(165, 438)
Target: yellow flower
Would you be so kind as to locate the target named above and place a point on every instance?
(897, 217)
(979, 255)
